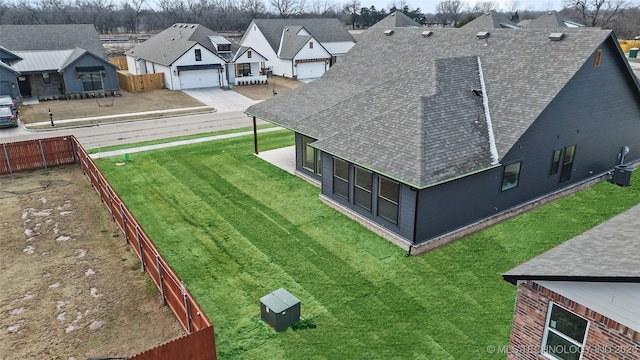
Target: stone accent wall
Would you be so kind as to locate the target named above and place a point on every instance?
(606, 339)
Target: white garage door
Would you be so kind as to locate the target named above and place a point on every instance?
(310, 70)
(194, 79)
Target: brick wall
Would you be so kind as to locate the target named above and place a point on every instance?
(606, 338)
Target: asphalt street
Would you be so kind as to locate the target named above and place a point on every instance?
(136, 131)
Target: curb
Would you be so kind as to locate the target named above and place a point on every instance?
(97, 123)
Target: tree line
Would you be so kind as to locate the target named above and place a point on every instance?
(134, 16)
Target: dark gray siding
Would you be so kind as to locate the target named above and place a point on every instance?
(73, 85)
(598, 111)
(406, 204)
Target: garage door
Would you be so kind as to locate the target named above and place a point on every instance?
(310, 70)
(199, 79)
(5, 88)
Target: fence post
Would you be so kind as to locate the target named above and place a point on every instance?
(159, 265)
(44, 159)
(75, 149)
(140, 247)
(6, 155)
(110, 204)
(99, 188)
(183, 288)
(124, 223)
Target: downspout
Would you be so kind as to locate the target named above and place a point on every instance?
(255, 136)
(415, 221)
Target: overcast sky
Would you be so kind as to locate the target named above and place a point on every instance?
(429, 6)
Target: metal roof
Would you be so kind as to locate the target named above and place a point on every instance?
(39, 61)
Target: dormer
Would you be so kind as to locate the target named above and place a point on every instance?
(221, 44)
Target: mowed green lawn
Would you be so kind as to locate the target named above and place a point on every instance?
(235, 228)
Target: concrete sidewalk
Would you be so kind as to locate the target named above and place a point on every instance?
(177, 143)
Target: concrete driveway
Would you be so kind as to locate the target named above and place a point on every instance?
(221, 100)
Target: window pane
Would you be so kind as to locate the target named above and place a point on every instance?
(555, 162)
(362, 198)
(341, 169)
(561, 348)
(363, 178)
(198, 55)
(568, 324)
(341, 178)
(389, 189)
(568, 154)
(318, 162)
(510, 176)
(308, 160)
(388, 210)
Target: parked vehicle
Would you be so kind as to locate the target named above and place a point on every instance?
(7, 101)
(8, 117)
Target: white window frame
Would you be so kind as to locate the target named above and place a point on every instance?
(547, 329)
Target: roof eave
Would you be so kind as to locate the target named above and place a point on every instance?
(513, 279)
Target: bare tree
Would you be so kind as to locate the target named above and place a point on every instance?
(321, 7)
(598, 13)
(484, 6)
(352, 7)
(286, 8)
(253, 7)
(449, 12)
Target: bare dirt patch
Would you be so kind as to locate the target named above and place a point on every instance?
(71, 287)
(151, 100)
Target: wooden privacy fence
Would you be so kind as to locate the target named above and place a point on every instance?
(133, 83)
(120, 62)
(58, 151)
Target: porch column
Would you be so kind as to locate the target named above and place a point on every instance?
(255, 136)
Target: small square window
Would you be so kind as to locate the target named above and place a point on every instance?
(511, 176)
(45, 78)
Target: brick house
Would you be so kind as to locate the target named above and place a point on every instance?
(581, 300)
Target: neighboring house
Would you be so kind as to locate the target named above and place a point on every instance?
(581, 296)
(8, 77)
(193, 56)
(298, 48)
(428, 136)
(395, 19)
(491, 20)
(550, 20)
(54, 61)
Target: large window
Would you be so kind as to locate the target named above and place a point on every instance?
(91, 81)
(362, 189)
(341, 178)
(311, 158)
(564, 334)
(510, 176)
(198, 54)
(388, 199)
(567, 163)
(244, 69)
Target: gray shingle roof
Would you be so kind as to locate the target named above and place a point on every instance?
(51, 37)
(490, 20)
(324, 30)
(608, 252)
(380, 108)
(551, 20)
(292, 43)
(395, 19)
(170, 44)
